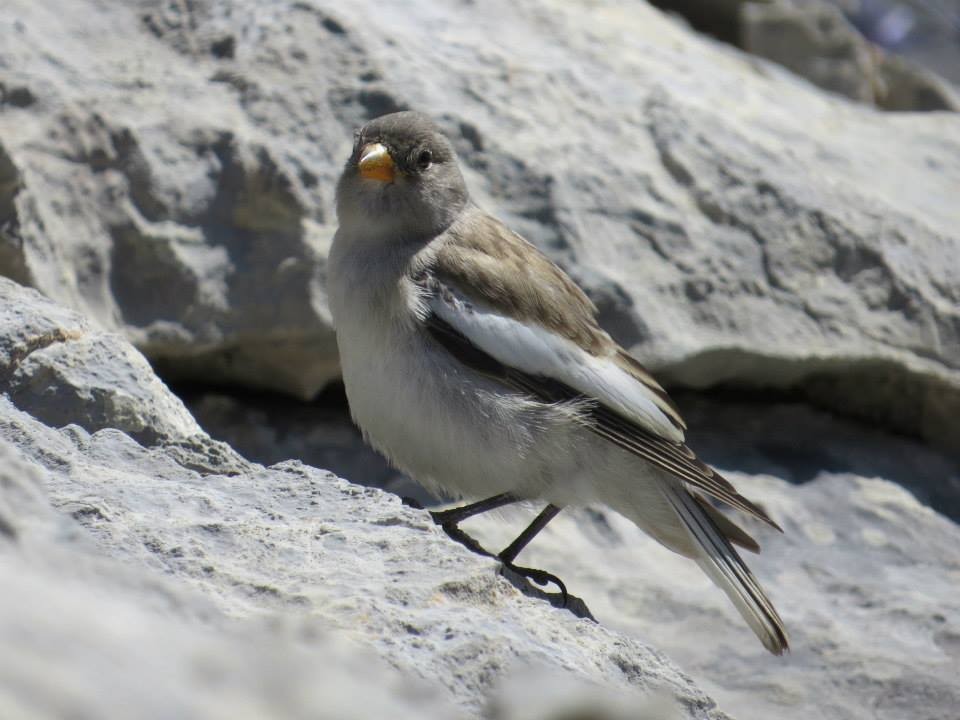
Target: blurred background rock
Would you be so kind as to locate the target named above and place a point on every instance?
(764, 209)
(896, 55)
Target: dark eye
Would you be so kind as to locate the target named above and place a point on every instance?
(424, 159)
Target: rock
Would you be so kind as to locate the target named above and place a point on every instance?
(98, 637)
(843, 46)
(734, 224)
(179, 579)
(165, 213)
(924, 33)
(311, 551)
(57, 367)
(905, 87)
(815, 41)
(268, 429)
(864, 577)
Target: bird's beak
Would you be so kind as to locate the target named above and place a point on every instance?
(376, 163)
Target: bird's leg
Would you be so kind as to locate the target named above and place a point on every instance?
(509, 554)
(449, 519)
(457, 515)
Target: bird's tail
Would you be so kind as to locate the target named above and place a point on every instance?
(721, 562)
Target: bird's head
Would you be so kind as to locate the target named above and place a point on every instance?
(401, 180)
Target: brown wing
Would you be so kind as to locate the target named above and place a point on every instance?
(675, 458)
(512, 276)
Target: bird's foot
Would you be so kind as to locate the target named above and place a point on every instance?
(443, 518)
(520, 577)
(540, 577)
(455, 533)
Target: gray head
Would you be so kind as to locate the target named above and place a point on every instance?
(401, 181)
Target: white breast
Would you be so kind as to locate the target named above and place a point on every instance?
(451, 429)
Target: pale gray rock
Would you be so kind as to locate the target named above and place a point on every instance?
(177, 579)
(302, 552)
(169, 168)
(58, 367)
(163, 211)
(814, 40)
(93, 637)
(864, 577)
(894, 55)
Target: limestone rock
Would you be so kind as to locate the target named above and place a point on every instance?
(169, 170)
(813, 40)
(864, 577)
(56, 366)
(178, 579)
(900, 56)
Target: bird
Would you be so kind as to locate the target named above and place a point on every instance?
(477, 366)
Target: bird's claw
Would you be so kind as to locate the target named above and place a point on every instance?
(455, 533)
(541, 578)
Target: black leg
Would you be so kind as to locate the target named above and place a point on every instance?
(453, 516)
(538, 524)
(449, 520)
(509, 554)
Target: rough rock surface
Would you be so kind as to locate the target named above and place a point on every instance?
(892, 54)
(864, 576)
(179, 580)
(100, 638)
(59, 368)
(168, 168)
(814, 39)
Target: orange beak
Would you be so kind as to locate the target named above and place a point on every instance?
(376, 163)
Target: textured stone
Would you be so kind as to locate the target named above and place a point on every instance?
(309, 550)
(864, 577)
(57, 367)
(815, 41)
(101, 638)
(179, 580)
(894, 55)
(169, 171)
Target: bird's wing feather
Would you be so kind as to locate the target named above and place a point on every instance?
(501, 306)
(537, 352)
(522, 309)
(524, 364)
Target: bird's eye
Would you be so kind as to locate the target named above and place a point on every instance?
(424, 159)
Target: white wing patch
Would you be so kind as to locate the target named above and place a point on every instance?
(535, 350)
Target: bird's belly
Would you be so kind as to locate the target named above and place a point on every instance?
(452, 430)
